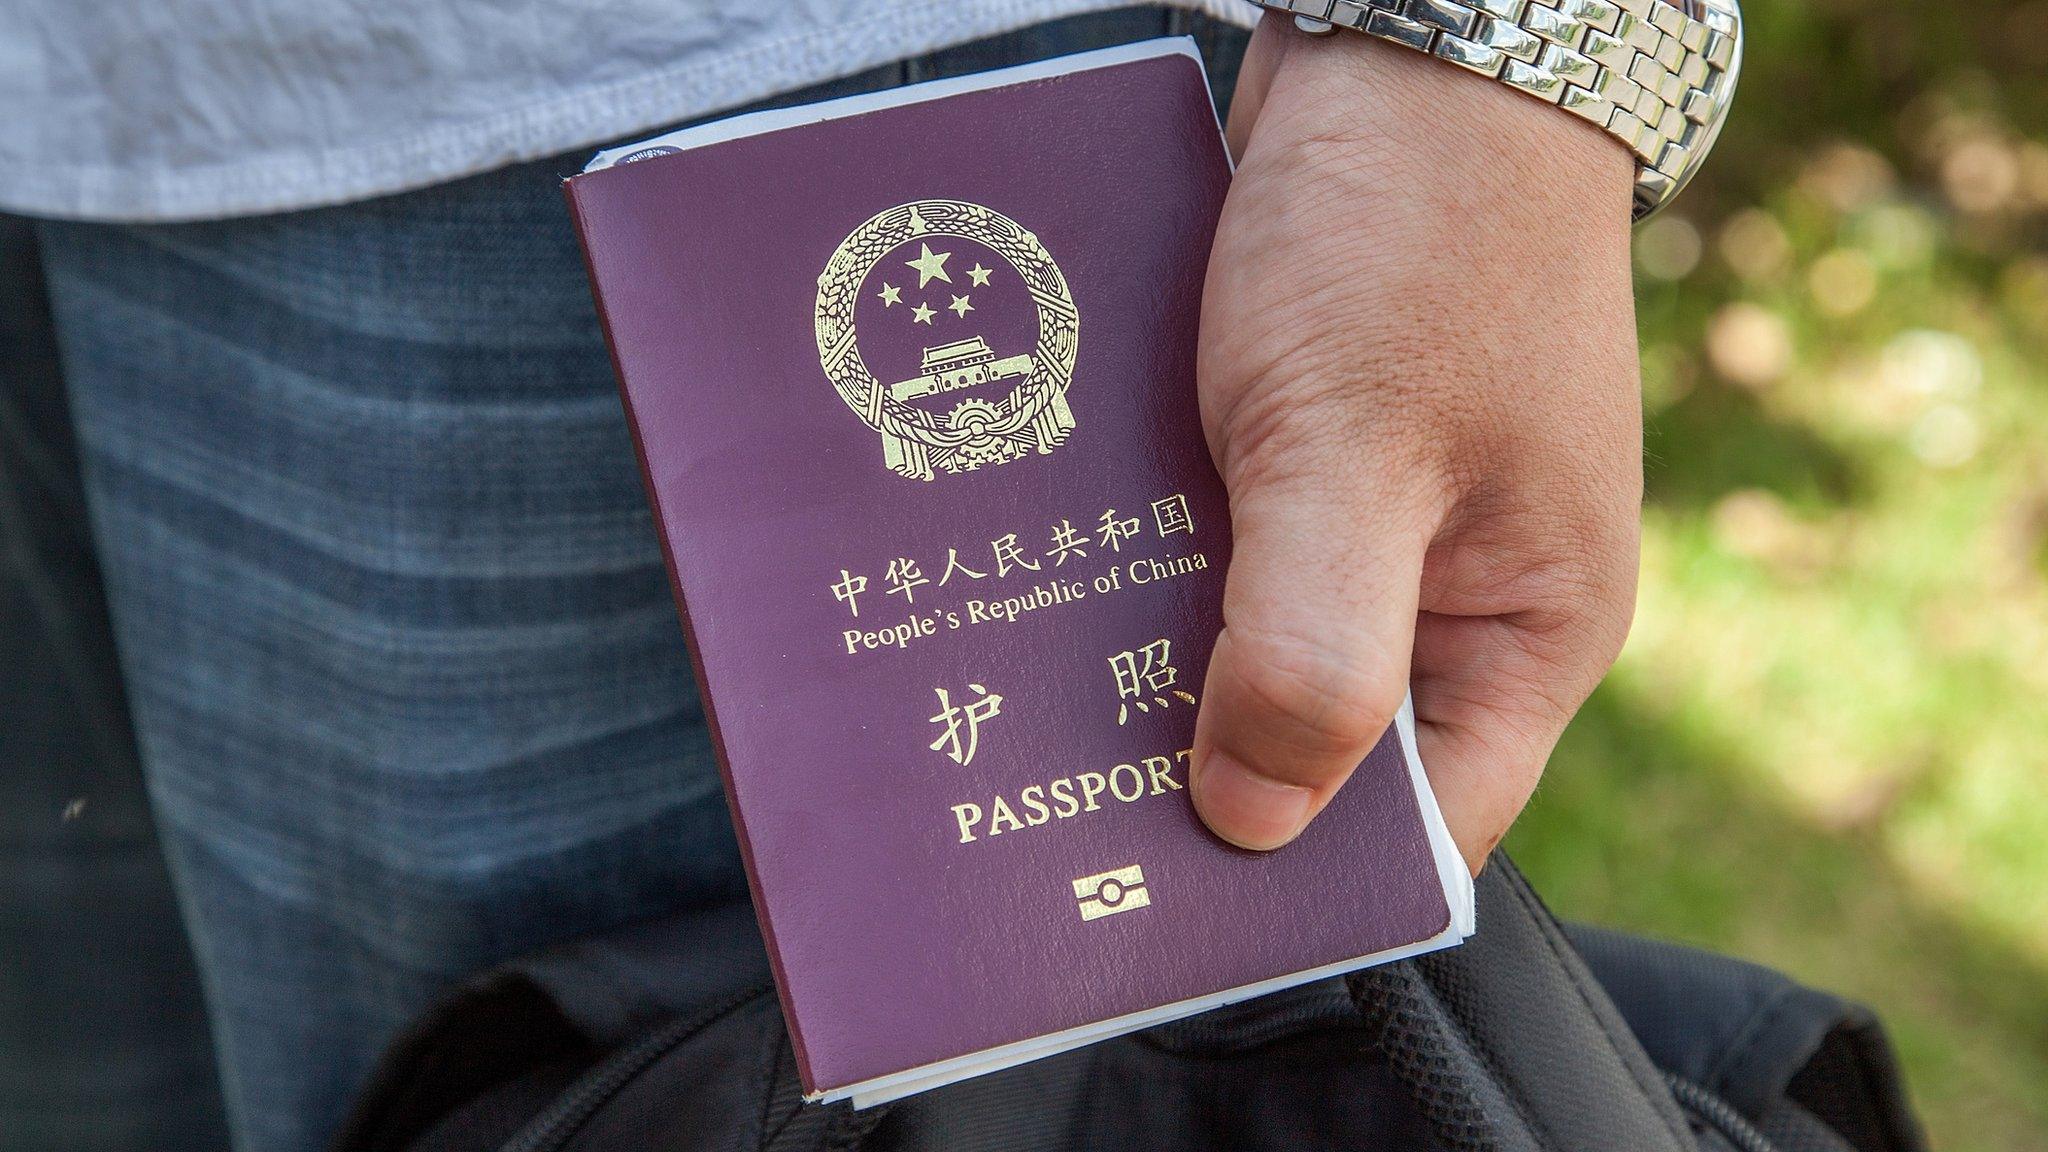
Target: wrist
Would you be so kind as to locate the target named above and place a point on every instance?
(1396, 123)
(1655, 75)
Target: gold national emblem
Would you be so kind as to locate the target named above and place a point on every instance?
(1009, 402)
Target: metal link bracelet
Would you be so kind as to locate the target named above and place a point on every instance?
(1656, 76)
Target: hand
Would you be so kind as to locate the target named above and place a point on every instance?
(1418, 377)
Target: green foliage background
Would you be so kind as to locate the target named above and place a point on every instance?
(1826, 747)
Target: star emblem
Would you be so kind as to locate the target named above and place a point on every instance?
(930, 266)
(960, 307)
(979, 275)
(890, 294)
(921, 314)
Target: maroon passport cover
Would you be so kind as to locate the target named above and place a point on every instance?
(914, 395)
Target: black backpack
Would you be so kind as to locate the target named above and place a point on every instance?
(1532, 1037)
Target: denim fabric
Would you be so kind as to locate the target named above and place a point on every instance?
(103, 1042)
(410, 689)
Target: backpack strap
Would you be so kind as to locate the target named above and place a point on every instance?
(1505, 1040)
(1786, 1057)
(489, 1058)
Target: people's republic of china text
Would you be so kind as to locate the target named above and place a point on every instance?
(1012, 574)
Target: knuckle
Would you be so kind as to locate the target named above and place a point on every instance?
(1274, 423)
(1597, 562)
(1583, 623)
(1316, 695)
(1571, 646)
(1317, 417)
(1600, 571)
(1538, 554)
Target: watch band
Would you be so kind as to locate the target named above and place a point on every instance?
(1658, 77)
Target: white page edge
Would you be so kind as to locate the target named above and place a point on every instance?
(776, 119)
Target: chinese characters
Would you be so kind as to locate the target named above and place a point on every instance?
(1144, 677)
(970, 717)
(1171, 515)
(1009, 553)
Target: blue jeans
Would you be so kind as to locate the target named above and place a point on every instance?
(103, 1040)
(408, 683)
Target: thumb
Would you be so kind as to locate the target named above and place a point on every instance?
(1312, 663)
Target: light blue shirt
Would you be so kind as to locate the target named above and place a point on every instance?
(190, 109)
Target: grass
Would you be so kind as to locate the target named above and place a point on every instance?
(1826, 747)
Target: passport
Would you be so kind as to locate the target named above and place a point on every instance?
(911, 377)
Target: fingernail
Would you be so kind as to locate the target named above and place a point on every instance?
(1247, 809)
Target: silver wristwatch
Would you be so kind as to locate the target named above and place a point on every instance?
(1657, 77)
